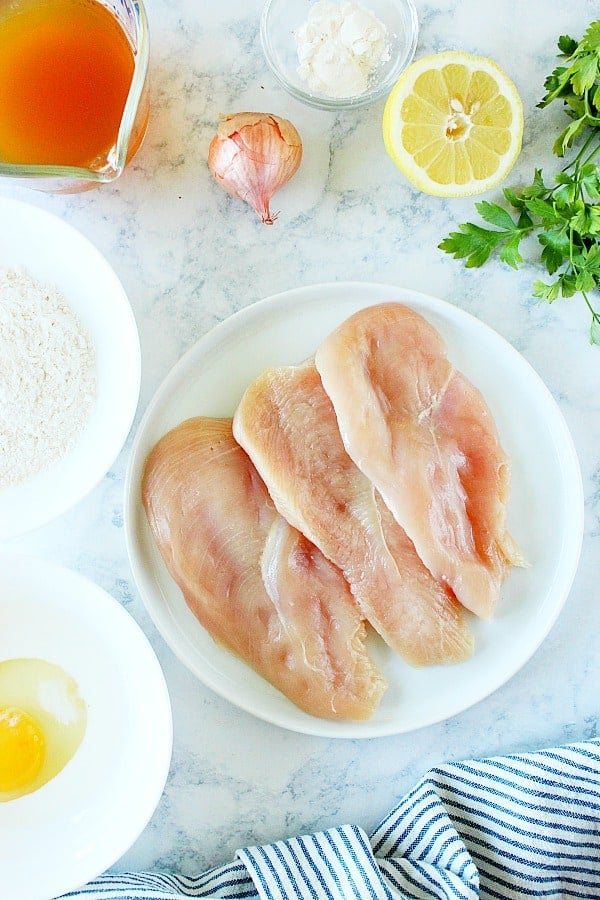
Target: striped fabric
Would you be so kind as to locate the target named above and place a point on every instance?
(505, 827)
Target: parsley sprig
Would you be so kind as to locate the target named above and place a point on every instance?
(563, 213)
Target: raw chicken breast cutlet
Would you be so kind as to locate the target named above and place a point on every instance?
(424, 436)
(287, 425)
(254, 582)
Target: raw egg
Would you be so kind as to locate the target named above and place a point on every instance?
(42, 723)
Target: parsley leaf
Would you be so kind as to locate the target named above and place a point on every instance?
(473, 243)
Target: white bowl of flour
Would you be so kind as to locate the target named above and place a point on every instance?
(69, 367)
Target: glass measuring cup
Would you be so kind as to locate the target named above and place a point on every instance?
(37, 164)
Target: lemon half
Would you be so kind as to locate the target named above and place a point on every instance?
(453, 124)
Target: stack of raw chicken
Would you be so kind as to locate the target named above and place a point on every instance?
(365, 487)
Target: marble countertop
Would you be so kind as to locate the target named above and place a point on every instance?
(189, 256)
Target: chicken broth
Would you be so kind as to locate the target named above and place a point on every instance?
(66, 67)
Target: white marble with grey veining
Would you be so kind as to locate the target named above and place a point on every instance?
(189, 256)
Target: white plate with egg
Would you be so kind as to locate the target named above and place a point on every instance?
(55, 257)
(89, 700)
(547, 524)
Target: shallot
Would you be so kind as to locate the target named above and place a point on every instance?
(252, 156)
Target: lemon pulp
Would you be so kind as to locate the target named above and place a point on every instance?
(453, 124)
(22, 748)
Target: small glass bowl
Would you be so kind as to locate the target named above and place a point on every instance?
(280, 20)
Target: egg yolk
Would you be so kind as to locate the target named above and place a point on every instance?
(22, 748)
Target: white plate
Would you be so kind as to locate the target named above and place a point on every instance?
(545, 511)
(52, 251)
(80, 823)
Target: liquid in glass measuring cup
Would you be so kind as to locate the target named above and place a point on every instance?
(74, 102)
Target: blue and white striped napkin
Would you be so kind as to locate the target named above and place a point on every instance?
(506, 827)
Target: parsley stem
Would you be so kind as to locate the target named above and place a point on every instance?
(589, 158)
(592, 155)
(595, 315)
(576, 161)
(591, 118)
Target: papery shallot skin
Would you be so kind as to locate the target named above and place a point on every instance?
(218, 532)
(252, 156)
(286, 423)
(424, 435)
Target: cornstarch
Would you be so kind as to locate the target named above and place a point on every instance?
(339, 47)
(47, 377)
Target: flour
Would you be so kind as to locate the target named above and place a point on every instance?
(339, 48)
(47, 377)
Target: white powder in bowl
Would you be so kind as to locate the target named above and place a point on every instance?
(47, 377)
(339, 47)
